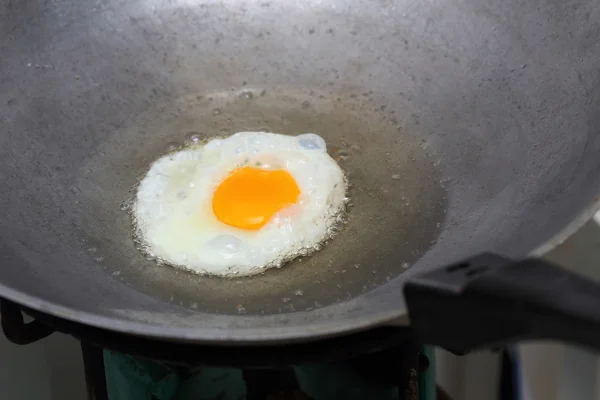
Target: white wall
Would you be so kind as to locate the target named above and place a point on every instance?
(51, 369)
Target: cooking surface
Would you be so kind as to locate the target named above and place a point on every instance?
(403, 183)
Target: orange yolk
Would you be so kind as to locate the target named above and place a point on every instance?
(249, 197)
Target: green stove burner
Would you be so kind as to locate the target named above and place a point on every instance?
(129, 378)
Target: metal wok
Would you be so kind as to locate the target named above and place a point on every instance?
(464, 126)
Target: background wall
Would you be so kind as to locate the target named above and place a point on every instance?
(51, 369)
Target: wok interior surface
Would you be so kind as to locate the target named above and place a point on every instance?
(363, 255)
(463, 127)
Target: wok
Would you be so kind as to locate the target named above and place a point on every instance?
(464, 127)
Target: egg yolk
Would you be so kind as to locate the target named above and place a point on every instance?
(249, 197)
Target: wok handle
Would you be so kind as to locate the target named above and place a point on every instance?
(489, 301)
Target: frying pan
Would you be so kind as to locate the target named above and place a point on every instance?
(464, 126)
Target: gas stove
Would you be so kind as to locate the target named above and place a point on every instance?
(381, 363)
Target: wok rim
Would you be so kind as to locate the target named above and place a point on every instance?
(256, 336)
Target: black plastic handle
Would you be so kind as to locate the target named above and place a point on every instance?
(489, 301)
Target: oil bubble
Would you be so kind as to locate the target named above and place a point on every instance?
(341, 155)
(173, 146)
(193, 138)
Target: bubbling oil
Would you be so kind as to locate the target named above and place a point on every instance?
(394, 213)
(335, 214)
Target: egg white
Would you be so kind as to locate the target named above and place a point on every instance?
(174, 215)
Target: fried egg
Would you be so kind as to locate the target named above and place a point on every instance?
(240, 205)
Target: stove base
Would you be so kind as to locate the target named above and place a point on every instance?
(396, 374)
(381, 363)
